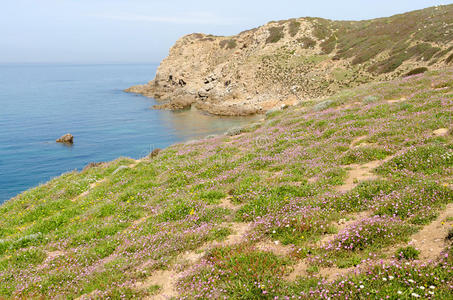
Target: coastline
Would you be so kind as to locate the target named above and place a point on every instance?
(106, 122)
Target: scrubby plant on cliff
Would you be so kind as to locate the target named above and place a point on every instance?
(307, 43)
(228, 44)
(293, 28)
(275, 34)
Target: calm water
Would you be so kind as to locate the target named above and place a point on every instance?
(39, 103)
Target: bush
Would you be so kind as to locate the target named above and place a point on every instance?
(370, 99)
(329, 45)
(323, 105)
(450, 234)
(275, 34)
(409, 253)
(234, 131)
(416, 71)
(228, 44)
(307, 43)
(449, 59)
(294, 27)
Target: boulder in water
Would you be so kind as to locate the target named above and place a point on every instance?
(66, 139)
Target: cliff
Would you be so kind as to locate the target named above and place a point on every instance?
(290, 61)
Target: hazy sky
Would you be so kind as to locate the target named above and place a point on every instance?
(99, 31)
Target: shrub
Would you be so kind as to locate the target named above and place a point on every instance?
(450, 234)
(275, 34)
(409, 253)
(370, 99)
(443, 84)
(234, 131)
(154, 153)
(294, 27)
(416, 71)
(307, 43)
(449, 59)
(323, 105)
(228, 44)
(329, 45)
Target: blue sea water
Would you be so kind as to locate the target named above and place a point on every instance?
(39, 103)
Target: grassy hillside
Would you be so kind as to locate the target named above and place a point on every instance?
(349, 196)
(361, 51)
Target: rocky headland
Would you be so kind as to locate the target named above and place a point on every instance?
(290, 61)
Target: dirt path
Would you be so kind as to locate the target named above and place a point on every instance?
(167, 279)
(430, 241)
(331, 273)
(361, 172)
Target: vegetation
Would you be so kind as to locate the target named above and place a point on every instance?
(409, 253)
(275, 34)
(416, 71)
(103, 232)
(228, 44)
(294, 27)
(307, 43)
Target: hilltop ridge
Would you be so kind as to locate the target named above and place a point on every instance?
(289, 61)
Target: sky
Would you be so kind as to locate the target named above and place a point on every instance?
(142, 31)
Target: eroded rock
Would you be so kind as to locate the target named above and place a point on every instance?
(66, 139)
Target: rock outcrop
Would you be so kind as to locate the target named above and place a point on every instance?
(290, 61)
(66, 139)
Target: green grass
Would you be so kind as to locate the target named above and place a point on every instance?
(409, 253)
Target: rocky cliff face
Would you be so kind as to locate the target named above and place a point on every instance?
(290, 61)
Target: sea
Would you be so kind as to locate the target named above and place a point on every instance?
(41, 102)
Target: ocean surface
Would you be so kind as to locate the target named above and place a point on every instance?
(39, 103)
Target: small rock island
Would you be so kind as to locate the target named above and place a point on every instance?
(66, 139)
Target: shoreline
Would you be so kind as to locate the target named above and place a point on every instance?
(227, 132)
